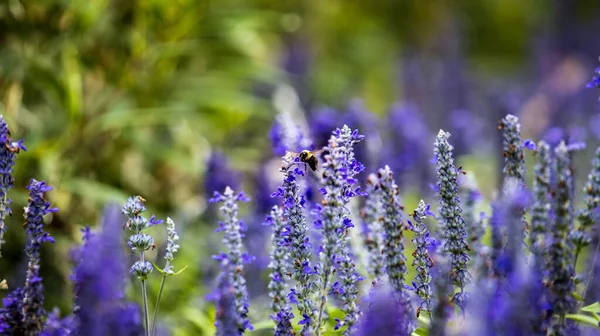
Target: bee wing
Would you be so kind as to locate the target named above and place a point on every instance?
(292, 153)
(318, 152)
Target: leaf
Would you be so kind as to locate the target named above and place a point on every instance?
(593, 308)
(577, 296)
(181, 270)
(420, 332)
(585, 319)
(160, 270)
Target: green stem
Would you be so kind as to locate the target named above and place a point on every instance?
(162, 285)
(323, 304)
(145, 298)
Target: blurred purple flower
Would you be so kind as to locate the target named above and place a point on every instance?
(227, 319)
(99, 280)
(384, 315)
(373, 230)
(219, 174)
(55, 326)
(595, 81)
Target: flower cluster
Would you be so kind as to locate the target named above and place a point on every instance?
(422, 262)
(297, 241)
(233, 261)
(595, 82)
(393, 242)
(541, 206)
(452, 223)
(514, 156)
(139, 242)
(101, 306)
(373, 231)
(588, 215)
(561, 269)
(279, 261)
(34, 223)
(338, 186)
(8, 150)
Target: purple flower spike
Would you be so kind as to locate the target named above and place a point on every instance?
(34, 290)
(8, 151)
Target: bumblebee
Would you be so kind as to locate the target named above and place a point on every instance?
(309, 158)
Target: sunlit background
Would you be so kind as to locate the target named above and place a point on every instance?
(157, 98)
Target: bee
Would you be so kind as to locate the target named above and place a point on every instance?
(310, 158)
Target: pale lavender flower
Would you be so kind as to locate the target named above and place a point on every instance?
(233, 261)
(587, 217)
(227, 321)
(422, 262)
(279, 260)
(393, 239)
(561, 270)
(514, 157)
(452, 223)
(540, 210)
(372, 229)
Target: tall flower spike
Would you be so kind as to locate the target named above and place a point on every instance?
(514, 157)
(541, 206)
(339, 185)
(561, 270)
(34, 223)
(284, 325)
(588, 215)
(11, 314)
(98, 276)
(393, 241)
(8, 150)
(227, 316)
(454, 226)
(233, 261)
(297, 240)
(371, 215)
(442, 308)
(472, 199)
(279, 261)
(422, 262)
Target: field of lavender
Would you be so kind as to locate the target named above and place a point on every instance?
(256, 167)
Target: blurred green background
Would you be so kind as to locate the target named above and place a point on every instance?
(119, 98)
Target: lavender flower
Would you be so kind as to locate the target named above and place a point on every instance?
(373, 232)
(233, 261)
(422, 261)
(279, 261)
(561, 270)
(339, 185)
(55, 326)
(139, 243)
(541, 206)
(473, 219)
(587, 216)
(514, 157)
(34, 222)
(383, 315)
(227, 322)
(286, 135)
(8, 150)
(442, 308)
(284, 325)
(297, 240)
(452, 223)
(98, 279)
(219, 174)
(595, 82)
(393, 240)
(11, 313)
